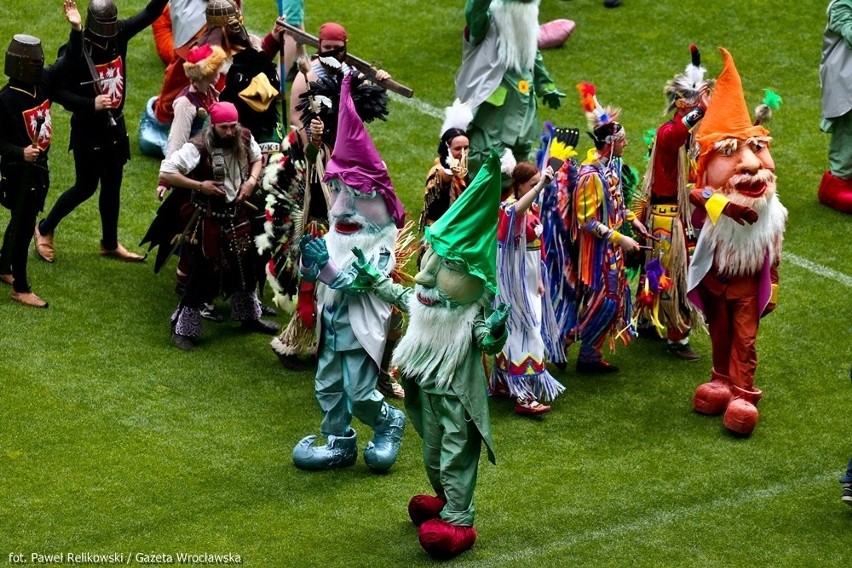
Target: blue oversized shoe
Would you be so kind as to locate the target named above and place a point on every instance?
(380, 453)
(340, 451)
(153, 134)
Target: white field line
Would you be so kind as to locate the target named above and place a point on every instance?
(429, 110)
(653, 520)
(819, 269)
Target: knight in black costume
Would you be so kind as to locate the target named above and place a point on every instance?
(25, 137)
(98, 132)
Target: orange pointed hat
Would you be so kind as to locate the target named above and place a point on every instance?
(727, 114)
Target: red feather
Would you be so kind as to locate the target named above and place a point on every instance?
(586, 89)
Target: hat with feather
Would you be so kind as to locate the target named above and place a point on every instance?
(684, 89)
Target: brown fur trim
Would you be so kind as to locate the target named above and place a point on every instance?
(207, 68)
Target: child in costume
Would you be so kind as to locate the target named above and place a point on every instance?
(450, 325)
(520, 369)
(365, 213)
(733, 275)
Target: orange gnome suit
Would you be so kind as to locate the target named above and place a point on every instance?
(733, 275)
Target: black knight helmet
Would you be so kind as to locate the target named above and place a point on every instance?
(24, 59)
(101, 18)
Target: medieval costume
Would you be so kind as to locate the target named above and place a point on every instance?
(733, 275)
(217, 228)
(666, 211)
(98, 137)
(26, 128)
(194, 22)
(835, 189)
(501, 73)
(366, 213)
(440, 358)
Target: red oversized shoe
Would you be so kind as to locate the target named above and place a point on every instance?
(421, 508)
(712, 398)
(742, 414)
(443, 540)
(835, 192)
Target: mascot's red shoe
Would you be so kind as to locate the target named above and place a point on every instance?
(835, 192)
(741, 415)
(443, 540)
(712, 398)
(421, 508)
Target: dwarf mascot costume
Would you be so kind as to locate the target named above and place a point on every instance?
(440, 357)
(733, 275)
(501, 73)
(365, 213)
(835, 188)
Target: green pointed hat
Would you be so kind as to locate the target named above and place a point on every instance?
(467, 232)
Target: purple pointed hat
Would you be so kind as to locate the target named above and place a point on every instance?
(355, 160)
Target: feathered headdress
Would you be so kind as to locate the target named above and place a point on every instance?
(456, 120)
(603, 127)
(687, 86)
(371, 102)
(458, 117)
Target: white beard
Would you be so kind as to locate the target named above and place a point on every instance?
(517, 38)
(437, 340)
(742, 249)
(340, 252)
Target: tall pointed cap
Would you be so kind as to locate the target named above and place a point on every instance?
(467, 232)
(355, 160)
(727, 114)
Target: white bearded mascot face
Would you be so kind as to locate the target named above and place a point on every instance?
(365, 210)
(743, 170)
(735, 161)
(517, 24)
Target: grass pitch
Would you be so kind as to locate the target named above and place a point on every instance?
(113, 441)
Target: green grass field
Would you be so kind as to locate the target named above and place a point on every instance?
(113, 441)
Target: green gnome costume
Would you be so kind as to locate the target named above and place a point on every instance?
(451, 324)
(501, 72)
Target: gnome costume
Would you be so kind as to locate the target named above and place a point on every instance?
(733, 275)
(440, 357)
(501, 73)
(835, 77)
(366, 213)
